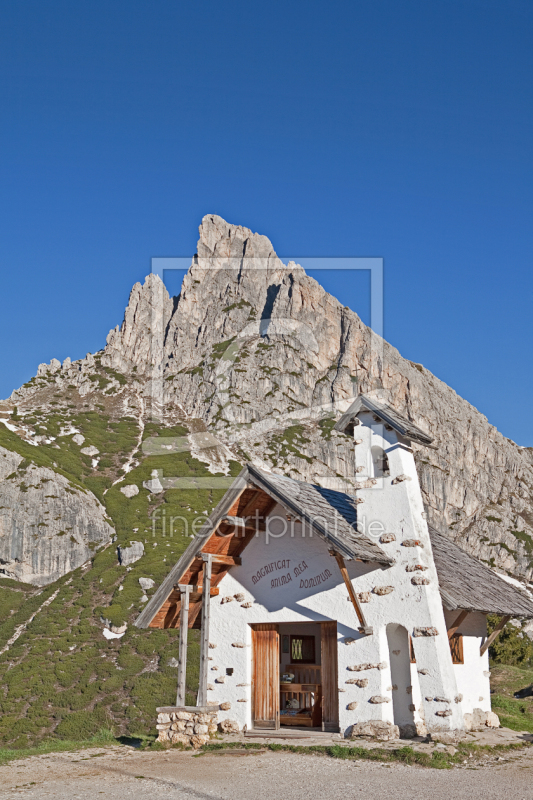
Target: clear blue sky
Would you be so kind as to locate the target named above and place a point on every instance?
(376, 128)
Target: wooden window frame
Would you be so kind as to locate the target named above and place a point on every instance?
(303, 636)
(456, 648)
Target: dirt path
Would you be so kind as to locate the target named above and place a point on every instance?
(121, 772)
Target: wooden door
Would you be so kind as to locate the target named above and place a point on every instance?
(265, 676)
(330, 689)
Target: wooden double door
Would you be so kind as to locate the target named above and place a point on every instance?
(266, 676)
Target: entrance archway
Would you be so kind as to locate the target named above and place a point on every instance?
(400, 667)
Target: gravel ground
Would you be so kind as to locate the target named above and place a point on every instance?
(121, 772)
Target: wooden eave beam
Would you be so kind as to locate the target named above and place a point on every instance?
(353, 597)
(230, 561)
(244, 523)
(452, 630)
(196, 588)
(497, 630)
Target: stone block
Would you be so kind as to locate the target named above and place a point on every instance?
(400, 479)
(425, 632)
(161, 718)
(201, 730)
(179, 738)
(198, 740)
(361, 667)
(225, 706)
(131, 554)
(352, 706)
(360, 682)
(408, 730)
(382, 590)
(386, 538)
(228, 726)
(420, 580)
(478, 720)
(131, 490)
(447, 737)
(375, 729)
(379, 698)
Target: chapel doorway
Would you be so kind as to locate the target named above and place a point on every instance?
(294, 676)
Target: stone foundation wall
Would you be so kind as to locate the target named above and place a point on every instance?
(187, 725)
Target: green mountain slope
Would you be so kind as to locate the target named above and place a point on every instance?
(60, 675)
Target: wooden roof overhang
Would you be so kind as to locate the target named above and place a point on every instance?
(225, 535)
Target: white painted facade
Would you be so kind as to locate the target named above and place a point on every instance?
(289, 576)
(472, 677)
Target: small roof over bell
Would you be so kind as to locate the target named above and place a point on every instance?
(389, 416)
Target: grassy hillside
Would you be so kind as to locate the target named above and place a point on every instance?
(61, 676)
(513, 713)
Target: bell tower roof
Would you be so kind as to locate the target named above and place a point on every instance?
(389, 416)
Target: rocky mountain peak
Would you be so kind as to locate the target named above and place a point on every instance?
(260, 354)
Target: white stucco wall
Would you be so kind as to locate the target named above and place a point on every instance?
(473, 677)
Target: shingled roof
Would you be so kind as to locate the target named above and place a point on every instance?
(466, 583)
(332, 514)
(388, 415)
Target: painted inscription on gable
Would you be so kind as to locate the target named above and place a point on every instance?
(284, 565)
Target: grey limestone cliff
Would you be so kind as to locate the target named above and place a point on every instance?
(48, 527)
